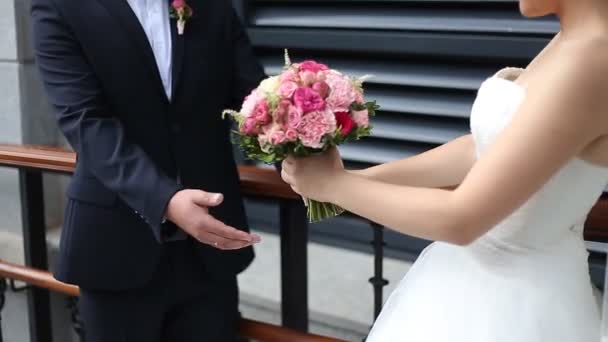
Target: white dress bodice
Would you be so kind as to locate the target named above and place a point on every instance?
(556, 213)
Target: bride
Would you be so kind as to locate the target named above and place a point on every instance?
(510, 263)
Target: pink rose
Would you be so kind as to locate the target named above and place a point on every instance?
(287, 88)
(294, 118)
(308, 77)
(282, 112)
(321, 88)
(308, 100)
(261, 113)
(250, 127)
(291, 135)
(290, 75)
(342, 94)
(178, 4)
(345, 122)
(359, 97)
(315, 126)
(250, 103)
(277, 137)
(361, 118)
(273, 134)
(312, 66)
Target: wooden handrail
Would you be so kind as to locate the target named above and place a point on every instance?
(265, 332)
(254, 181)
(248, 328)
(36, 278)
(43, 158)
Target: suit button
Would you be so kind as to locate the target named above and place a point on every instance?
(176, 128)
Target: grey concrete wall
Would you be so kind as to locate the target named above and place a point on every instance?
(24, 119)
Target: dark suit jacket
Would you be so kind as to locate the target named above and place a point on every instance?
(132, 142)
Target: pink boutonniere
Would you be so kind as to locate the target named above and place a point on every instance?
(182, 12)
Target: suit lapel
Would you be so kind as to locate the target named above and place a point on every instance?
(178, 55)
(121, 10)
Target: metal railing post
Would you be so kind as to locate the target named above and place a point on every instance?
(294, 264)
(34, 241)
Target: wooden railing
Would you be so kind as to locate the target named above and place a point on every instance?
(254, 181)
(257, 331)
(33, 161)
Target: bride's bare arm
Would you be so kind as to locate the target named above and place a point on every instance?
(444, 166)
(558, 118)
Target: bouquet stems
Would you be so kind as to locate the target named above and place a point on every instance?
(318, 211)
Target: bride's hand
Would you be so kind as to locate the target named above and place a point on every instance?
(312, 176)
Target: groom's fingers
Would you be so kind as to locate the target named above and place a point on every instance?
(227, 244)
(207, 199)
(214, 226)
(222, 243)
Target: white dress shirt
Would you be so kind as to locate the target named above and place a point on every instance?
(154, 18)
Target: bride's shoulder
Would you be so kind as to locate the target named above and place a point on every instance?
(578, 73)
(571, 84)
(583, 63)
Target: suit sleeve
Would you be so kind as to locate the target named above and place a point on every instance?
(94, 132)
(247, 71)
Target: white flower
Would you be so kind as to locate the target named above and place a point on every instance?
(270, 85)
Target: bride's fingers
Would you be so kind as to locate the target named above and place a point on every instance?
(286, 166)
(289, 160)
(286, 177)
(296, 190)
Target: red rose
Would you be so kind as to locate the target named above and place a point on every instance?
(345, 122)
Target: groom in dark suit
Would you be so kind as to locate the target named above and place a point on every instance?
(155, 230)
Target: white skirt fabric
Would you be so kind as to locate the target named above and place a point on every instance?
(454, 294)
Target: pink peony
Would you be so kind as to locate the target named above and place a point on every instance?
(315, 126)
(312, 66)
(345, 122)
(287, 88)
(261, 113)
(250, 103)
(361, 118)
(308, 100)
(321, 88)
(342, 94)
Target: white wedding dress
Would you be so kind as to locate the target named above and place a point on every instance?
(526, 280)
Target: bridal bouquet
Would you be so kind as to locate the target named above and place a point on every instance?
(304, 110)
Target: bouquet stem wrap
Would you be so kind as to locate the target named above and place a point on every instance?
(319, 211)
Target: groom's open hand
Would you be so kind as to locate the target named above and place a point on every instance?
(188, 209)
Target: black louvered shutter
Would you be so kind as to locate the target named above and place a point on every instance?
(428, 58)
